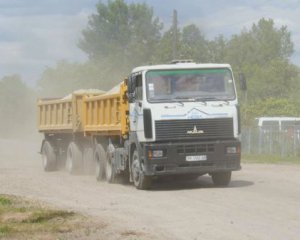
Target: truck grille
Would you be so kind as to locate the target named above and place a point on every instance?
(200, 129)
(196, 149)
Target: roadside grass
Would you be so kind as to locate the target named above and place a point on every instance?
(24, 219)
(21, 219)
(274, 159)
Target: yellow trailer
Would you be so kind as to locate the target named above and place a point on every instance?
(71, 124)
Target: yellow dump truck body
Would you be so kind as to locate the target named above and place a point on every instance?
(55, 115)
(91, 114)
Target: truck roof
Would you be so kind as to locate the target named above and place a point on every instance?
(180, 66)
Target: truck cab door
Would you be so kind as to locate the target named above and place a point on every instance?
(136, 104)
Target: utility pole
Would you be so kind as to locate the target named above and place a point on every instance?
(175, 23)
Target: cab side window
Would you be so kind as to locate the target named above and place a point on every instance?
(139, 88)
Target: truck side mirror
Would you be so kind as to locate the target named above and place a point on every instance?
(131, 97)
(243, 82)
(131, 89)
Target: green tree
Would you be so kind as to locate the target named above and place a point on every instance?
(263, 53)
(260, 45)
(124, 33)
(164, 50)
(119, 36)
(270, 107)
(67, 77)
(193, 44)
(217, 49)
(17, 107)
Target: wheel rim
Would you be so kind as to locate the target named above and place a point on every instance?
(45, 160)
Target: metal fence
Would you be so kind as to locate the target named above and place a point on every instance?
(271, 140)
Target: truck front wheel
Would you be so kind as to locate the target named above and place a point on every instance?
(48, 157)
(74, 159)
(221, 179)
(139, 179)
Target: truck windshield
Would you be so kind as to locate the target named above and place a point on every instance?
(190, 85)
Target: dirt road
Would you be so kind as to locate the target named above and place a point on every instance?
(262, 202)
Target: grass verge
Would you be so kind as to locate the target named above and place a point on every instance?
(24, 219)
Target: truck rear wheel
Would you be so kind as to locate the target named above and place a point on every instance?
(100, 160)
(109, 164)
(74, 159)
(221, 179)
(139, 179)
(48, 157)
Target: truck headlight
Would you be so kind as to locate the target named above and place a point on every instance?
(231, 150)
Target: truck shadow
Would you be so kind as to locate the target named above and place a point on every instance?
(201, 182)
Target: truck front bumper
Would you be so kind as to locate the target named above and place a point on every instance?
(191, 157)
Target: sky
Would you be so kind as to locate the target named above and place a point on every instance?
(35, 34)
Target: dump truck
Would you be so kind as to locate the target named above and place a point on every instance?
(178, 119)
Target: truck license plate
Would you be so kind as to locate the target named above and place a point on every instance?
(196, 158)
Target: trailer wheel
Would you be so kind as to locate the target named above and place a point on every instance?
(221, 179)
(139, 179)
(74, 159)
(100, 160)
(110, 173)
(48, 157)
(88, 160)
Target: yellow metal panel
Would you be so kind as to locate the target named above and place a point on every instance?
(53, 115)
(106, 114)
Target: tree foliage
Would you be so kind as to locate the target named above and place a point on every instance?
(124, 33)
(260, 45)
(67, 77)
(121, 35)
(17, 106)
(270, 107)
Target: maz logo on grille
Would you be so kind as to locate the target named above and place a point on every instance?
(195, 131)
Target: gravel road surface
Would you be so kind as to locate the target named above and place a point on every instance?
(262, 201)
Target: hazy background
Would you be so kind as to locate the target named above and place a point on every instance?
(50, 48)
(34, 35)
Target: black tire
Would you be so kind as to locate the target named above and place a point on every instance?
(48, 157)
(74, 163)
(125, 176)
(110, 173)
(100, 160)
(139, 179)
(221, 179)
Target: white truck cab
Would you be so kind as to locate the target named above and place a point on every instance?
(184, 119)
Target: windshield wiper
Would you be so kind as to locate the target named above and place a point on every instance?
(180, 99)
(205, 99)
(183, 98)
